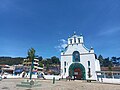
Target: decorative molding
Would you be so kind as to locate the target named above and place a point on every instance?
(80, 54)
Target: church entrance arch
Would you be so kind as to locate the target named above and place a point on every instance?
(77, 70)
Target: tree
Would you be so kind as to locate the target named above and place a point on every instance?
(31, 56)
(106, 62)
(114, 60)
(47, 67)
(118, 60)
(55, 60)
(49, 61)
(100, 58)
(40, 64)
(110, 69)
(40, 58)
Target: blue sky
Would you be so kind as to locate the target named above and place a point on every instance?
(46, 24)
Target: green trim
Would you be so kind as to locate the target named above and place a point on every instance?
(77, 65)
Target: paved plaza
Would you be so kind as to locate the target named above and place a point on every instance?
(10, 84)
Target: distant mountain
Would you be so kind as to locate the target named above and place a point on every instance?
(11, 61)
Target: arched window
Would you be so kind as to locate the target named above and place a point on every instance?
(65, 70)
(78, 40)
(70, 41)
(74, 39)
(88, 63)
(76, 56)
(64, 63)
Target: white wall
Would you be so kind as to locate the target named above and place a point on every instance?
(76, 47)
(111, 80)
(83, 60)
(52, 76)
(85, 56)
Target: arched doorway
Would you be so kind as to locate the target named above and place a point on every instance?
(77, 70)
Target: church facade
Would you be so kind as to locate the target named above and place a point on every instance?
(78, 61)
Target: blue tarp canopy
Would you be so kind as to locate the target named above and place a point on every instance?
(18, 70)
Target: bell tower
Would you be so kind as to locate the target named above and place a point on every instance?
(75, 39)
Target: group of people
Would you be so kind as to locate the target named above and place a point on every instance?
(70, 78)
(24, 74)
(39, 75)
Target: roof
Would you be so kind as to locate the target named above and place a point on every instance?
(4, 65)
(38, 67)
(107, 71)
(117, 68)
(74, 35)
(7, 68)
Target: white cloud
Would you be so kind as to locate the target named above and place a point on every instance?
(13, 5)
(109, 31)
(62, 45)
(63, 40)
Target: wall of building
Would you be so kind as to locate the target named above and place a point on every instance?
(85, 56)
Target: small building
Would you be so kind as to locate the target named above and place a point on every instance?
(105, 72)
(13, 70)
(78, 61)
(27, 65)
(7, 69)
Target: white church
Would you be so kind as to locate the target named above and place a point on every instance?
(78, 61)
